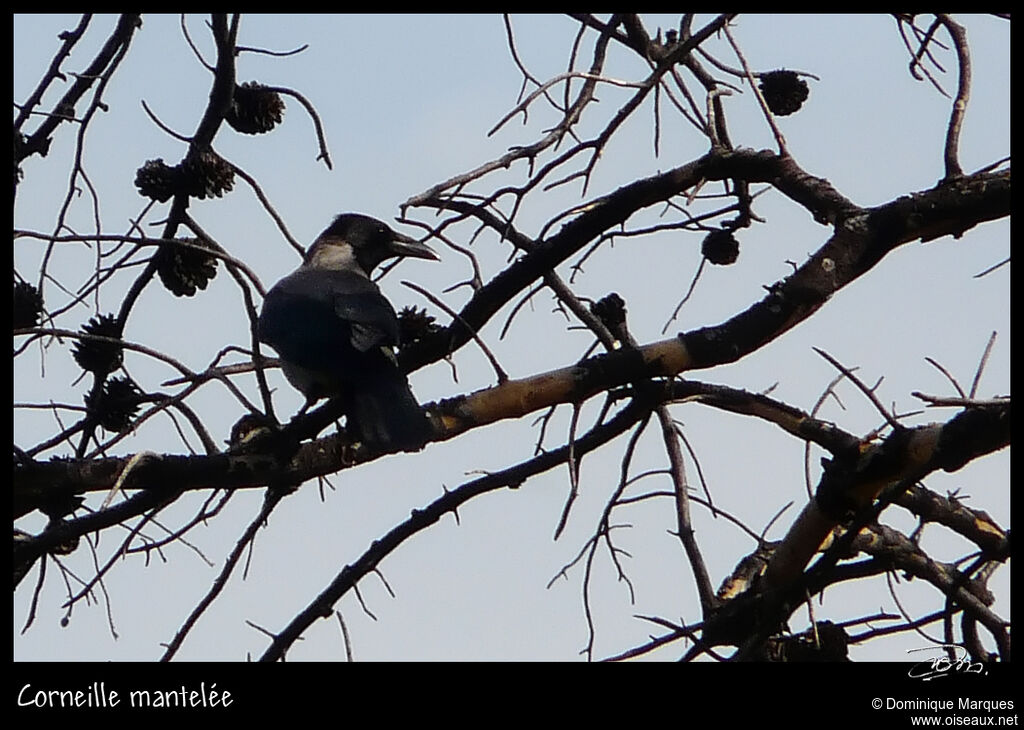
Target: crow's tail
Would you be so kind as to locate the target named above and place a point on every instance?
(384, 413)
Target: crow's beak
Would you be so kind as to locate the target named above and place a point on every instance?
(402, 245)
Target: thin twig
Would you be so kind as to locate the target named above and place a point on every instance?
(981, 365)
(779, 139)
(311, 110)
(499, 371)
(344, 634)
(963, 94)
(864, 389)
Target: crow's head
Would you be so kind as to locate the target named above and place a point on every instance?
(364, 241)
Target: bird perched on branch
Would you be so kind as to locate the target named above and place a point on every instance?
(335, 332)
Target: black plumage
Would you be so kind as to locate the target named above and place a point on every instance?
(335, 331)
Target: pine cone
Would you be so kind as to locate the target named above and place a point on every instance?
(28, 305)
(611, 310)
(19, 153)
(720, 247)
(99, 357)
(114, 407)
(783, 91)
(183, 269)
(254, 109)
(157, 181)
(415, 324)
(206, 175)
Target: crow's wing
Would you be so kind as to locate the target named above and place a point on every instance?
(328, 320)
